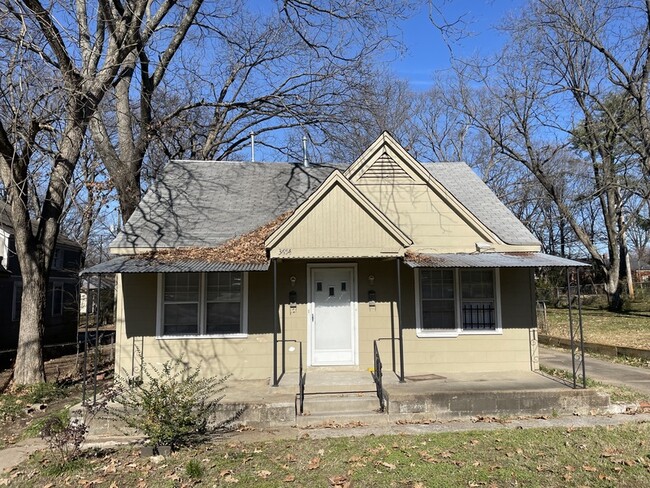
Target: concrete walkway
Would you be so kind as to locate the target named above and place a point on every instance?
(14, 455)
(596, 369)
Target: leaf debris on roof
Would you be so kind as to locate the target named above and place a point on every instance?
(247, 248)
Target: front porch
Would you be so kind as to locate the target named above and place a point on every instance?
(349, 399)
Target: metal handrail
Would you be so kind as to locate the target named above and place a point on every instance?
(377, 375)
(301, 377)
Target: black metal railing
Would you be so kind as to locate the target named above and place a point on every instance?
(377, 376)
(478, 316)
(301, 378)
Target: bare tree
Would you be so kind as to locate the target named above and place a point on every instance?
(58, 62)
(549, 96)
(266, 72)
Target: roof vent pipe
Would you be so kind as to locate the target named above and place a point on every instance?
(252, 147)
(305, 163)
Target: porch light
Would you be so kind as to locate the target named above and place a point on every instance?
(293, 281)
(371, 279)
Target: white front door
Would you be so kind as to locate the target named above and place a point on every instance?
(333, 332)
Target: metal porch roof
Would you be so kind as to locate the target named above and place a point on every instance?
(490, 260)
(137, 264)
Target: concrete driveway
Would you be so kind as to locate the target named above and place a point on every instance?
(599, 370)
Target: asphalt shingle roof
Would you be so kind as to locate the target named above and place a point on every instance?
(476, 197)
(206, 203)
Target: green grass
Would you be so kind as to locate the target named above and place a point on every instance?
(630, 328)
(553, 457)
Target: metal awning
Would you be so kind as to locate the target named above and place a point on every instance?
(490, 260)
(145, 264)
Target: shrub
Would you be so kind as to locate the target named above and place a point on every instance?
(171, 405)
(64, 438)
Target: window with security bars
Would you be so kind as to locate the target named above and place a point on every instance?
(477, 299)
(457, 300)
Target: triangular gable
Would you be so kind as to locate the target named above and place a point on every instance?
(401, 168)
(337, 220)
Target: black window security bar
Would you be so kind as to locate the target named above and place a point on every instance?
(478, 316)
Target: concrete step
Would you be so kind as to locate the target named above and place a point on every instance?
(341, 420)
(363, 402)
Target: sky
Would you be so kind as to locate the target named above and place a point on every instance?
(426, 52)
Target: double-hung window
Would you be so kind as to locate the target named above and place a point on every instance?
(452, 302)
(201, 304)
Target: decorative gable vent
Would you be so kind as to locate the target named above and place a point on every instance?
(386, 167)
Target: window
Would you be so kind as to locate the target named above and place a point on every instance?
(437, 294)
(453, 302)
(181, 304)
(57, 299)
(223, 315)
(57, 259)
(478, 299)
(202, 304)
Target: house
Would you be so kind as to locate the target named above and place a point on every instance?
(234, 265)
(61, 314)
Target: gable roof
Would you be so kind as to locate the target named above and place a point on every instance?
(336, 179)
(475, 196)
(206, 203)
(455, 182)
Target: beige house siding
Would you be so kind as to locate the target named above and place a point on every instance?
(337, 226)
(252, 357)
(422, 214)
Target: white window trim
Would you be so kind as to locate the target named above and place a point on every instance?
(458, 331)
(202, 312)
(54, 285)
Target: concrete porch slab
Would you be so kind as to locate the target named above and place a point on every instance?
(487, 394)
(349, 396)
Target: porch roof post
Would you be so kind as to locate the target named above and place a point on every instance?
(399, 319)
(275, 322)
(582, 342)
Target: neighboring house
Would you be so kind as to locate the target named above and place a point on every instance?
(225, 263)
(61, 314)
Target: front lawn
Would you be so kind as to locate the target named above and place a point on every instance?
(630, 328)
(600, 456)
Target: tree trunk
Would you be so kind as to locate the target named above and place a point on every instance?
(29, 367)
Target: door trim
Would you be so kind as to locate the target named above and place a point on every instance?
(354, 310)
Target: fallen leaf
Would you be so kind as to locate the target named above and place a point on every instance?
(229, 478)
(264, 474)
(589, 468)
(289, 478)
(390, 466)
(339, 482)
(314, 463)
